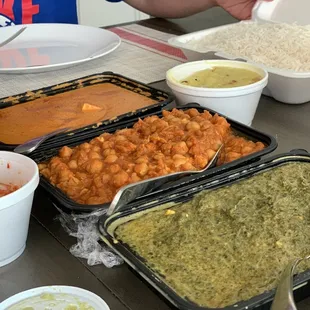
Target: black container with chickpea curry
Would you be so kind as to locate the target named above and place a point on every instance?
(91, 173)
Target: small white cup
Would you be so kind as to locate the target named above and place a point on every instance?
(15, 207)
(237, 103)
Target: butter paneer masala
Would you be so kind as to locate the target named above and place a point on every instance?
(73, 109)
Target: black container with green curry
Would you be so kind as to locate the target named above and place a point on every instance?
(221, 243)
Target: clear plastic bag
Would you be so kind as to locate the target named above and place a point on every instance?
(84, 228)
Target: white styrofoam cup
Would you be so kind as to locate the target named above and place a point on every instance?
(237, 103)
(15, 207)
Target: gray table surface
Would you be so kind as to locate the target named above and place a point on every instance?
(47, 260)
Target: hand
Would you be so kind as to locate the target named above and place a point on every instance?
(241, 9)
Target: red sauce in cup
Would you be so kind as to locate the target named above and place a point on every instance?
(6, 189)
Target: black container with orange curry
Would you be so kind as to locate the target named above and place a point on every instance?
(81, 105)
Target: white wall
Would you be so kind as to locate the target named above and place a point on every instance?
(100, 13)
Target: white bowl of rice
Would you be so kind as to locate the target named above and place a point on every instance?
(237, 102)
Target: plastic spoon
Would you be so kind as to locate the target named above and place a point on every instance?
(31, 145)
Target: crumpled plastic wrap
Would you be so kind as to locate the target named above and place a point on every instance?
(84, 227)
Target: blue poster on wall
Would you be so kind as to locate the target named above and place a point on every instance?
(14, 12)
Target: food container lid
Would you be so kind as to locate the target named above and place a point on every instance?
(56, 298)
(286, 11)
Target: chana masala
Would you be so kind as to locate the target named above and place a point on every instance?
(93, 172)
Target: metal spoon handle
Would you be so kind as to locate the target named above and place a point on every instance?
(33, 144)
(284, 298)
(130, 192)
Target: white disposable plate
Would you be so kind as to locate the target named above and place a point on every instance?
(47, 47)
(54, 297)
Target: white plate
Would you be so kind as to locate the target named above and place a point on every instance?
(47, 47)
(54, 297)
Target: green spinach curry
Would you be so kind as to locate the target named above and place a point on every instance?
(229, 244)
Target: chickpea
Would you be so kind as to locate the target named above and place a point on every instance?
(94, 166)
(125, 147)
(141, 169)
(120, 179)
(82, 158)
(81, 175)
(85, 146)
(165, 113)
(210, 153)
(151, 119)
(111, 159)
(158, 156)
(42, 166)
(192, 112)
(55, 162)
(73, 182)
(185, 121)
(72, 164)
(65, 152)
(146, 131)
(259, 146)
(192, 126)
(187, 167)
(232, 156)
(206, 125)
(107, 152)
(97, 140)
(179, 160)
(247, 150)
(96, 148)
(200, 161)
(46, 172)
(107, 145)
(114, 168)
(166, 148)
(150, 147)
(206, 115)
(120, 137)
(94, 155)
(98, 181)
(105, 178)
(64, 175)
(135, 178)
(179, 148)
(127, 132)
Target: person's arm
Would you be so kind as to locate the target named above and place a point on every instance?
(171, 8)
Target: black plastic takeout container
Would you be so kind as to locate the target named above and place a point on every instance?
(61, 199)
(161, 99)
(108, 224)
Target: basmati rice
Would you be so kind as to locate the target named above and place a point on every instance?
(282, 46)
